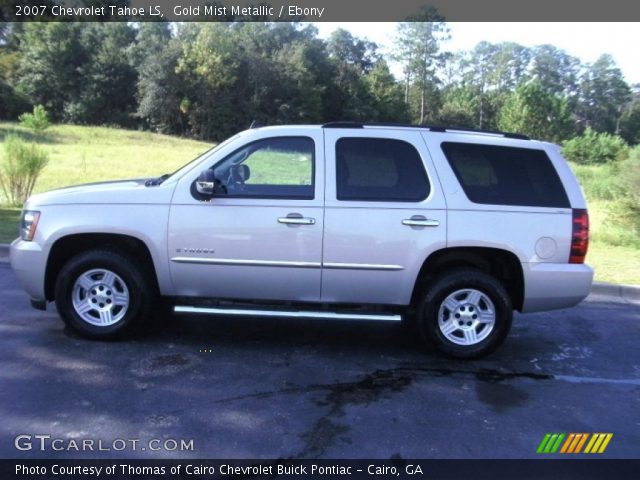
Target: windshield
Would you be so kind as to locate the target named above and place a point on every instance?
(213, 149)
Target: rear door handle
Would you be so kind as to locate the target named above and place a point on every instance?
(420, 221)
(296, 219)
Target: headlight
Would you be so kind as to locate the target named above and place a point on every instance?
(29, 224)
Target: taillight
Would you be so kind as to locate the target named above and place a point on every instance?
(579, 235)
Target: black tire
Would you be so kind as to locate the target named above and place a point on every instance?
(139, 288)
(459, 280)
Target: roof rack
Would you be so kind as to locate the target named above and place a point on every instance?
(431, 128)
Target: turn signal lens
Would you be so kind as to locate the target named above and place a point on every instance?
(29, 224)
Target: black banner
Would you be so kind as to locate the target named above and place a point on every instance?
(318, 10)
(321, 469)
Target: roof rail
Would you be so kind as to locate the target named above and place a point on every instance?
(431, 128)
(343, 125)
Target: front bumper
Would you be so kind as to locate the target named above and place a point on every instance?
(550, 286)
(29, 262)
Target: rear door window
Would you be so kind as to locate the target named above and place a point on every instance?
(498, 175)
(379, 170)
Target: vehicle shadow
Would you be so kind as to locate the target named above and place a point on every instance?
(380, 337)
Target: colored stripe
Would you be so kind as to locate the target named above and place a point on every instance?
(555, 447)
(594, 437)
(584, 439)
(574, 443)
(596, 445)
(567, 443)
(550, 443)
(543, 443)
(605, 443)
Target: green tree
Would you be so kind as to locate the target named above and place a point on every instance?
(351, 60)
(630, 120)
(386, 95)
(508, 65)
(555, 70)
(79, 72)
(533, 111)
(235, 73)
(209, 64)
(459, 107)
(108, 78)
(52, 56)
(12, 103)
(603, 95)
(346, 49)
(278, 73)
(305, 76)
(418, 49)
(160, 89)
(492, 71)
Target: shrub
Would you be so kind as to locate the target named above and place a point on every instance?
(21, 165)
(630, 178)
(38, 121)
(601, 182)
(593, 147)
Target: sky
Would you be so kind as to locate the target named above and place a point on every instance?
(587, 41)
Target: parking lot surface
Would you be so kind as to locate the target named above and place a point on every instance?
(257, 388)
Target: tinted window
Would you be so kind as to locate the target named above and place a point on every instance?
(506, 175)
(377, 169)
(280, 167)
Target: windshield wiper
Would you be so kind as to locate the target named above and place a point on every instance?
(156, 181)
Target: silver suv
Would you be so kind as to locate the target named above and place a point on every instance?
(449, 228)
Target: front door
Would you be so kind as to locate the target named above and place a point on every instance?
(262, 239)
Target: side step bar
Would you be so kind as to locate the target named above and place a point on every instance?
(286, 314)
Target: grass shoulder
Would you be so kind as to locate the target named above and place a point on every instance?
(614, 264)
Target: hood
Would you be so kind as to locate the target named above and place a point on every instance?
(114, 192)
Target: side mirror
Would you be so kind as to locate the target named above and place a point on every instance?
(206, 183)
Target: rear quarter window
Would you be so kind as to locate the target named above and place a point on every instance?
(498, 175)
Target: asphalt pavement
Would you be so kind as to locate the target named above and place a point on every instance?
(256, 388)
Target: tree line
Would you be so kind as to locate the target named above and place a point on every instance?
(209, 80)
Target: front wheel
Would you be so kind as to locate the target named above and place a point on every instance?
(465, 314)
(102, 294)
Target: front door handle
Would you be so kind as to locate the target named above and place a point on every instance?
(296, 219)
(420, 221)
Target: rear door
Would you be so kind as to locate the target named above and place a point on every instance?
(384, 214)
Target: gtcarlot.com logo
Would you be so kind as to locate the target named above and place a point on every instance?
(574, 443)
(27, 442)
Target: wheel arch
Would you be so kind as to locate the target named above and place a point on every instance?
(502, 264)
(64, 248)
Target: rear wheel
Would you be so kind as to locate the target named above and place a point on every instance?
(465, 314)
(103, 294)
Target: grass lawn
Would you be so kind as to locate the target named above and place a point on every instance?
(614, 264)
(90, 154)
